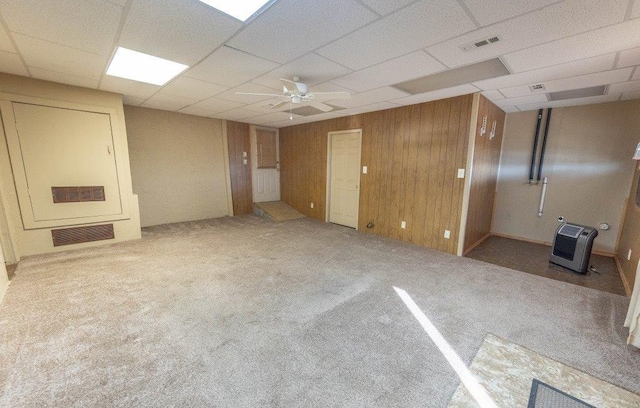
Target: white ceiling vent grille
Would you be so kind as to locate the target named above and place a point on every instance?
(480, 43)
(537, 87)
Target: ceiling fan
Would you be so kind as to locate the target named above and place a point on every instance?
(295, 92)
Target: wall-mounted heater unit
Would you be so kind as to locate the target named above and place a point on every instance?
(572, 246)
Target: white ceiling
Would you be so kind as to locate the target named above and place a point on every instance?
(360, 46)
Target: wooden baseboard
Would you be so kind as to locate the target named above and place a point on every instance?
(533, 241)
(478, 242)
(627, 287)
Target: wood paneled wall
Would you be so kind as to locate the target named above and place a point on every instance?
(238, 139)
(484, 174)
(412, 154)
(630, 237)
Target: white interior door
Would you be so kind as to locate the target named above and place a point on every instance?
(344, 178)
(266, 165)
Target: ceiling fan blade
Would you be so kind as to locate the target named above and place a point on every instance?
(279, 104)
(326, 96)
(258, 94)
(319, 105)
(294, 87)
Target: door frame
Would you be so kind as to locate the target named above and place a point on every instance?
(328, 187)
(253, 141)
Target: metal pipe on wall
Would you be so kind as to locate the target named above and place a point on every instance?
(543, 196)
(535, 148)
(544, 143)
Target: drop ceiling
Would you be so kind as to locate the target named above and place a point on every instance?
(364, 47)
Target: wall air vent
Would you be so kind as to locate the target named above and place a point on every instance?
(78, 235)
(458, 76)
(537, 87)
(577, 93)
(480, 43)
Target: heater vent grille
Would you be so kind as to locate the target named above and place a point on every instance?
(78, 235)
(77, 194)
(480, 43)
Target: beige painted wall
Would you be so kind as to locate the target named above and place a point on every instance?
(4, 279)
(177, 165)
(589, 166)
(630, 237)
(19, 242)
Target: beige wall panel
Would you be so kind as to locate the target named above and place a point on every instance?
(589, 166)
(177, 165)
(30, 242)
(4, 279)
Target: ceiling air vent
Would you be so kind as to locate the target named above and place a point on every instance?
(537, 87)
(480, 43)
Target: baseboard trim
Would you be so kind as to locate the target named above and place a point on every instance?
(478, 242)
(549, 244)
(627, 287)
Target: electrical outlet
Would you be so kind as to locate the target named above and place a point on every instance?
(244, 154)
(447, 234)
(403, 224)
(244, 161)
(629, 255)
(311, 205)
(364, 169)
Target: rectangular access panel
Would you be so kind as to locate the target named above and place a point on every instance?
(69, 162)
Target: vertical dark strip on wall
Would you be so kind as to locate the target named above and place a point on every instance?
(239, 142)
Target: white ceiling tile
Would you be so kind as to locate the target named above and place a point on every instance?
(216, 105)
(59, 58)
(523, 100)
(127, 87)
(119, 2)
(230, 67)
(597, 42)
(623, 87)
(131, 100)
(577, 82)
(272, 117)
(385, 7)
(370, 108)
(330, 87)
(493, 95)
(491, 11)
(89, 25)
(11, 63)
(370, 97)
(64, 78)
(586, 66)
(5, 41)
(231, 95)
(291, 28)
(636, 74)
(192, 88)
(510, 109)
(167, 102)
(408, 30)
(263, 107)
(410, 66)
(311, 68)
(570, 102)
(181, 31)
(551, 23)
(286, 123)
(436, 95)
(629, 58)
(627, 96)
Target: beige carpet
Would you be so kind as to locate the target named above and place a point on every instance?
(279, 211)
(246, 312)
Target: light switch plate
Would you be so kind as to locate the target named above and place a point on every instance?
(364, 170)
(244, 154)
(460, 173)
(447, 234)
(403, 224)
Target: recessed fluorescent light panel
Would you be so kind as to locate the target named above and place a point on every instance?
(240, 9)
(141, 67)
(577, 93)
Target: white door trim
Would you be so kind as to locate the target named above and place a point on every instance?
(254, 159)
(328, 197)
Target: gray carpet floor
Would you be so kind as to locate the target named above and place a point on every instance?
(246, 312)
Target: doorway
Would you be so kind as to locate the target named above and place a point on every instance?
(343, 177)
(266, 165)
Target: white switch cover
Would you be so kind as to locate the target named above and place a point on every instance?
(364, 170)
(403, 224)
(629, 255)
(244, 154)
(244, 161)
(447, 234)
(461, 173)
(311, 205)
